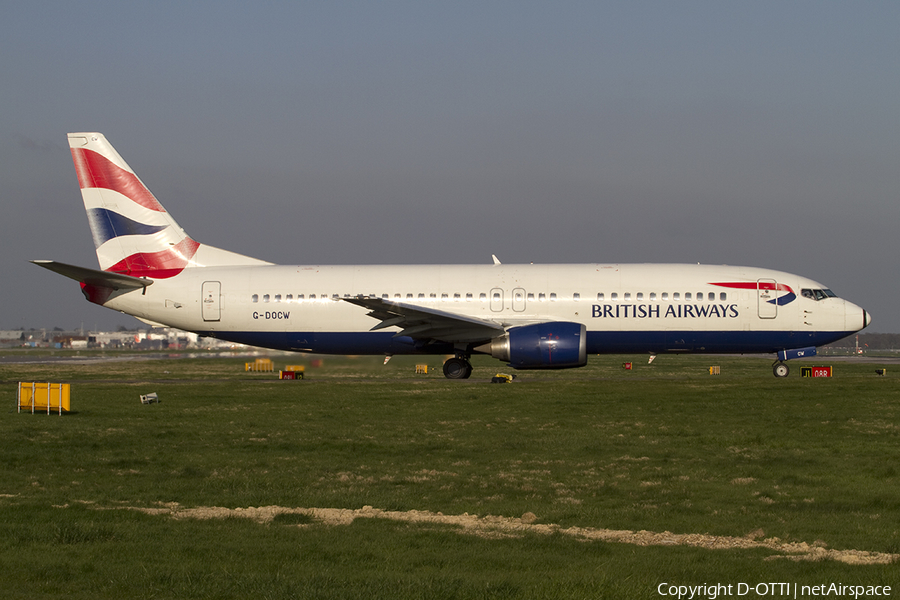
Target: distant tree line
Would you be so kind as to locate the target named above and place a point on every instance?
(870, 341)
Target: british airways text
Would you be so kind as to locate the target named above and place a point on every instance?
(654, 311)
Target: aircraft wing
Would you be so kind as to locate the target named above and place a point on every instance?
(94, 277)
(419, 322)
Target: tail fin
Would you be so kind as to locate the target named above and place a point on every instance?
(133, 233)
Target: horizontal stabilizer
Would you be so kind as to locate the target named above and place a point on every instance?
(94, 277)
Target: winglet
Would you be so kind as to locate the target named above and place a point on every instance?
(496, 260)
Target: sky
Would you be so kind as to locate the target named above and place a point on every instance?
(747, 133)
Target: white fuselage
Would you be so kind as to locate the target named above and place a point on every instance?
(532, 316)
(626, 308)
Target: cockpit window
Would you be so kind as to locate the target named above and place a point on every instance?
(817, 294)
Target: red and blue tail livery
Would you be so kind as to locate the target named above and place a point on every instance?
(530, 316)
(132, 232)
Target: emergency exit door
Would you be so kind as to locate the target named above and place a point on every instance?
(518, 299)
(497, 300)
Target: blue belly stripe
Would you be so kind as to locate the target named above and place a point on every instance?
(598, 342)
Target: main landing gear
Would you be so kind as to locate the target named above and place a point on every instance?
(780, 369)
(458, 367)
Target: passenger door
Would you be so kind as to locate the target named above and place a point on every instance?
(766, 297)
(210, 298)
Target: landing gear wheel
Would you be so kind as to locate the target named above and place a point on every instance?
(457, 368)
(780, 369)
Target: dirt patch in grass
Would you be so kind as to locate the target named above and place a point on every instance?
(495, 527)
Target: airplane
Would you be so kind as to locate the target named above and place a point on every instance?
(531, 316)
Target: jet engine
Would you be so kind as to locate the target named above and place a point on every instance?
(553, 345)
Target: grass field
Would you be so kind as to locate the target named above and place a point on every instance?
(368, 481)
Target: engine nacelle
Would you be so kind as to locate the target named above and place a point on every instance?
(554, 345)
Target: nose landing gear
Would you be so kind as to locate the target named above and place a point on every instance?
(780, 369)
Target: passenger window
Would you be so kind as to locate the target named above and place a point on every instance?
(530, 296)
(723, 296)
(600, 296)
(396, 295)
(576, 296)
(277, 297)
(640, 295)
(653, 295)
(699, 296)
(676, 296)
(614, 296)
(687, 295)
(422, 296)
(665, 295)
(312, 296)
(409, 296)
(254, 298)
(468, 296)
(711, 296)
(443, 296)
(552, 296)
(628, 295)
(482, 296)
(265, 297)
(541, 296)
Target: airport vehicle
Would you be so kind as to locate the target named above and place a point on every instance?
(530, 316)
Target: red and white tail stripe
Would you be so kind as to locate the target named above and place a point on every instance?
(133, 233)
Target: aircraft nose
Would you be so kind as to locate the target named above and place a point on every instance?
(855, 317)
